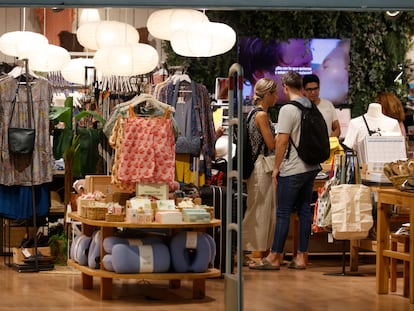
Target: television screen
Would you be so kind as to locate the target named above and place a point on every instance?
(327, 58)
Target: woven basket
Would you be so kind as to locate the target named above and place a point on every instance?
(84, 204)
(96, 213)
(114, 217)
(398, 180)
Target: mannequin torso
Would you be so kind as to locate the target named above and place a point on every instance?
(374, 110)
(376, 120)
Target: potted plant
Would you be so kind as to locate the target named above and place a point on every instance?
(58, 244)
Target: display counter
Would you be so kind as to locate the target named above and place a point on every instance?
(107, 229)
(386, 198)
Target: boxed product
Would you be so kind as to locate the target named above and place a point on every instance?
(138, 216)
(158, 191)
(103, 184)
(165, 205)
(169, 217)
(20, 254)
(138, 203)
(196, 215)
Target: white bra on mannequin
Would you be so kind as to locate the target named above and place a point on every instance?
(375, 110)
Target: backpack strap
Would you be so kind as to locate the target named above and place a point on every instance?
(299, 106)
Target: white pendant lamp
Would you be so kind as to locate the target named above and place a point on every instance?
(89, 16)
(76, 70)
(203, 39)
(126, 60)
(48, 58)
(102, 34)
(17, 43)
(161, 24)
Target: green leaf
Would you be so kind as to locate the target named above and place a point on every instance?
(86, 113)
(55, 113)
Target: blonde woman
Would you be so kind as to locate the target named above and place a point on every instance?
(259, 219)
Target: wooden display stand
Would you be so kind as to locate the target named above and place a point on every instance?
(107, 228)
(387, 197)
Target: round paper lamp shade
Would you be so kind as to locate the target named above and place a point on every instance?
(16, 43)
(161, 24)
(74, 71)
(89, 16)
(203, 40)
(48, 58)
(126, 60)
(102, 34)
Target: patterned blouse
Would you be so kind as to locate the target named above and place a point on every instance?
(25, 170)
(256, 138)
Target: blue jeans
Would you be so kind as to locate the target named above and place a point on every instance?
(293, 192)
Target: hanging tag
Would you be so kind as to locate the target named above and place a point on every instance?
(146, 259)
(191, 240)
(330, 238)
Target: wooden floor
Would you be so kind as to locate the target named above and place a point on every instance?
(320, 287)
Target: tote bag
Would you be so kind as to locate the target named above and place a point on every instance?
(322, 216)
(351, 207)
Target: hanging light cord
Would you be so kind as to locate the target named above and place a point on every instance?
(44, 22)
(24, 20)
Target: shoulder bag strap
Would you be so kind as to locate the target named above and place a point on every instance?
(366, 124)
(13, 105)
(300, 107)
(29, 103)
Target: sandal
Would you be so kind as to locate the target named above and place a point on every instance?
(263, 264)
(293, 265)
(247, 261)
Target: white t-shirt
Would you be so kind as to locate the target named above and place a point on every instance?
(289, 123)
(357, 130)
(328, 112)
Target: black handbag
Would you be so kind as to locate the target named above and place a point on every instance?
(21, 139)
(188, 145)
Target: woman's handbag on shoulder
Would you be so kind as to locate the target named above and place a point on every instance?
(269, 163)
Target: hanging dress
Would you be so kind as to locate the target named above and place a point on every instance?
(20, 172)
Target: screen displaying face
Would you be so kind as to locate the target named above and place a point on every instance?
(327, 58)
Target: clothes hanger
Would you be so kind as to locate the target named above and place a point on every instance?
(20, 70)
(150, 101)
(181, 78)
(180, 75)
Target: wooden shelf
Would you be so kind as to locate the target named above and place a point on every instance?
(155, 225)
(210, 273)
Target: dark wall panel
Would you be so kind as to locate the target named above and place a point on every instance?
(360, 5)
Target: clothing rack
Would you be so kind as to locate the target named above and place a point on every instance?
(36, 261)
(29, 78)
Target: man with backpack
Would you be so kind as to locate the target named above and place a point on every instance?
(293, 177)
